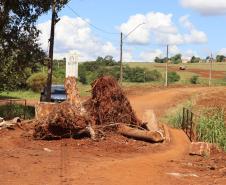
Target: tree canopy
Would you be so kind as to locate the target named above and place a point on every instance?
(195, 59)
(175, 59)
(220, 58)
(19, 49)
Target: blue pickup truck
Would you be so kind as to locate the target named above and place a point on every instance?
(58, 94)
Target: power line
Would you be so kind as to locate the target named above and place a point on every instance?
(132, 30)
(92, 25)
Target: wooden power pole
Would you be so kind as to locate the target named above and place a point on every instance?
(121, 67)
(211, 68)
(50, 61)
(167, 58)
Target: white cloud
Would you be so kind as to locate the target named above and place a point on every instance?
(159, 28)
(149, 56)
(222, 52)
(74, 34)
(173, 50)
(184, 20)
(127, 56)
(193, 36)
(153, 22)
(188, 54)
(206, 7)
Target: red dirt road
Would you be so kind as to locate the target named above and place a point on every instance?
(114, 161)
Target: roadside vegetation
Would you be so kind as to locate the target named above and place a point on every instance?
(211, 127)
(23, 94)
(211, 124)
(11, 111)
(175, 115)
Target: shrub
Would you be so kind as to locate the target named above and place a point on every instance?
(194, 79)
(139, 74)
(37, 81)
(173, 77)
(89, 71)
(153, 75)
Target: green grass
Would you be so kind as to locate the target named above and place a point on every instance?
(15, 110)
(20, 95)
(84, 90)
(174, 116)
(211, 127)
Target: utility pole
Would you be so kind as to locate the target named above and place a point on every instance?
(121, 50)
(121, 67)
(50, 61)
(167, 58)
(211, 68)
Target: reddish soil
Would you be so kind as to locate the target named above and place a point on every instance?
(201, 72)
(116, 160)
(212, 99)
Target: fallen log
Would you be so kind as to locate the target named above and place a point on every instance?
(150, 120)
(9, 124)
(1, 119)
(149, 136)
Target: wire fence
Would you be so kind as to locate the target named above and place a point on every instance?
(189, 123)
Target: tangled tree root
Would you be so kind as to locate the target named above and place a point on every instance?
(64, 121)
(109, 104)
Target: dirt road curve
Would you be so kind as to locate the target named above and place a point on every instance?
(72, 162)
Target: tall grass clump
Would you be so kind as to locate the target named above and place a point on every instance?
(175, 116)
(211, 127)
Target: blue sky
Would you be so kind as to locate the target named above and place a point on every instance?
(191, 27)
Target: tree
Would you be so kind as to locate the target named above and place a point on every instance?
(160, 60)
(195, 59)
(107, 60)
(176, 59)
(220, 58)
(18, 38)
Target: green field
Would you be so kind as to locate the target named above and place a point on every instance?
(84, 90)
(19, 95)
(186, 75)
(204, 66)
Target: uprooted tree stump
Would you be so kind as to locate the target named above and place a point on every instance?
(67, 119)
(107, 109)
(64, 121)
(109, 104)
